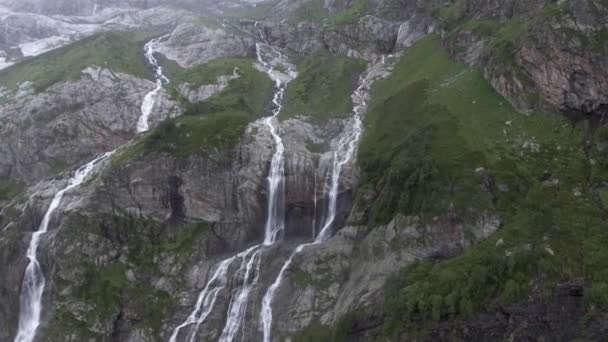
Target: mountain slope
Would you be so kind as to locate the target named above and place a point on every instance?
(474, 207)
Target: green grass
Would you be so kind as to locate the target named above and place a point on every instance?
(351, 14)
(67, 322)
(118, 51)
(205, 73)
(258, 12)
(9, 190)
(142, 252)
(103, 286)
(109, 289)
(301, 278)
(215, 124)
(314, 11)
(323, 87)
(309, 11)
(429, 127)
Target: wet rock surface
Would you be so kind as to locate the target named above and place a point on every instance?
(131, 249)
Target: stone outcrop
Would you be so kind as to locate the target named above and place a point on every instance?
(29, 34)
(192, 43)
(129, 250)
(368, 38)
(348, 272)
(556, 61)
(71, 122)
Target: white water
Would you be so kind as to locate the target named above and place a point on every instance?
(32, 287)
(275, 224)
(347, 145)
(250, 260)
(150, 98)
(238, 304)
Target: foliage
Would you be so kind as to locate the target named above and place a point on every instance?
(215, 124)
(430, 128)
(9, 190)
(118, 51)
(108, 289)
(323, 87)
(315, 11)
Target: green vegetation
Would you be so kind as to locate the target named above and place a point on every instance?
(118, 51)
(301, 278)
(350, 15)
(103, 286)
(218, 122)
(204, 73)
(434, 129)
(142, 252)
(314, 11)
(310, 11)
(67, 322)
(9, 190)
(109, 289)
(318, 332)
(323, 87)
(258, 12)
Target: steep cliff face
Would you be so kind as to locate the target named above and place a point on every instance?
(69, 123)
(543, 56)
(456, 216)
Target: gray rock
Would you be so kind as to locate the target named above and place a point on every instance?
(71, 122)
(195, 43)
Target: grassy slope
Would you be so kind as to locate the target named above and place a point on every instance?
(120, 51)
(217, 123)
(323, 87)
(9, 190)
(430, 126)
(314, 11)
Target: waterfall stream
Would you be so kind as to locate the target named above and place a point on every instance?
(32, 287)
(150, 98)
(268, 59)
(343, 154)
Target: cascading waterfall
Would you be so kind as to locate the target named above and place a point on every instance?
(346, 147)
(250, 259)
(150, 98)
(32, 287)
(238, 305)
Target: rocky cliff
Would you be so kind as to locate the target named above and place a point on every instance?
(472, 207)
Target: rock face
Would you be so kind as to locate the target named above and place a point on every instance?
(191, 44)
(83, 7)
(205, 91)
(29, 34)
(556, 58)
(70, 122)
(569, 71)
(348, 272)
(129, 250)
(368, 38)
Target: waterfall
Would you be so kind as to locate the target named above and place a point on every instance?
(32, 287)
(238, 305)
(314, 202)
(343, 153)
(250, 260)
(150, 98)
(275, 224)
